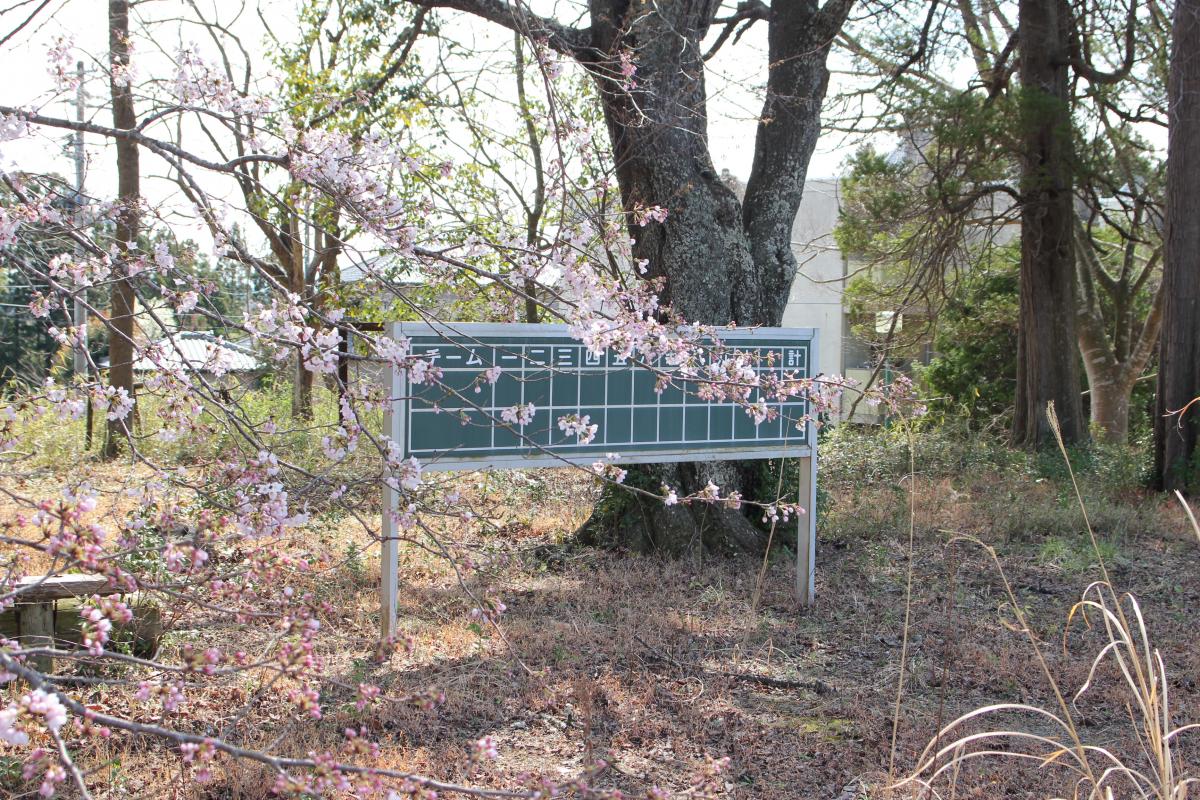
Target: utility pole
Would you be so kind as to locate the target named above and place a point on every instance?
(79, 318)
(80, 365)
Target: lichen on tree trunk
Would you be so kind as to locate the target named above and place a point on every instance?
(721, 259)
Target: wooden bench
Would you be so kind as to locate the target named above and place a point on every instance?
(37, 621)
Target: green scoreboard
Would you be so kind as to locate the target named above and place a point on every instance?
(461, 414)
(646, 412)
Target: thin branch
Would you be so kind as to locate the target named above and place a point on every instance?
(749, 12)
(133, 135)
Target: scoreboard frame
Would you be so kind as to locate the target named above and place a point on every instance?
(502, 338)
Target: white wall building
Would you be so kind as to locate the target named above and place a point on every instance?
(817, 296)
(815, 300)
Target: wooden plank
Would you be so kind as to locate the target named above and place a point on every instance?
(36, 589)
(145, 630)
(8, 624)
(37, 630)
(143, 633)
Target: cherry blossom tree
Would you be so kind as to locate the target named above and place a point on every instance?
(213, 532)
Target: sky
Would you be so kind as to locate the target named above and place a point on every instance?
(735, 81)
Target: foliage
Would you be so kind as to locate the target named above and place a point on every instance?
(926, 216)
(975, 342)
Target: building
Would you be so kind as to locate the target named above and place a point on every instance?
(214, 358)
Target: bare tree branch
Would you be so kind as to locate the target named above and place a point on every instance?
(562, 38)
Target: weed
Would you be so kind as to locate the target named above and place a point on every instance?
(10, 773)
(1075, 556)
(355, 567)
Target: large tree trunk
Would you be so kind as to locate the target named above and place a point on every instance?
(1175, 434)
(1047, 361)
(722, 261)
(121, 316)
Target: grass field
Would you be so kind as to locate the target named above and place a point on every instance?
(663, 667)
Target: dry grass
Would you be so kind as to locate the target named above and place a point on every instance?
(658, 666)
(1148, 763)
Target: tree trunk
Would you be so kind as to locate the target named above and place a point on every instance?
(534, 211)
(1108, 388)
(1175, 433)
(1047, 360)
(302, 378)
(1113, 364)
(722, 261)
(1109, 395)
(121, 315)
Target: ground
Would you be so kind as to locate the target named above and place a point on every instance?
(661, 666)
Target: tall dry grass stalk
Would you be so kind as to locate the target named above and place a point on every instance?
(908, 591)
(1150, 770)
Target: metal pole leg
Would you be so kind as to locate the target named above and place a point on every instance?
(389, 566)
(806, 532)
(389, 550)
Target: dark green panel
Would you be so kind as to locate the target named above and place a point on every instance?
(695, 423)
(538, 430)
(619, 421)
(506, 436)
(559, 377)
(474, 429)
(507, 391)
(793, 413)
(620, 388)
(721, 425)
(670, 425)
(595, 415)
(426, 395)
(644, 382)
(672, 394)
(565, 390)
(430, 431)
(645, 424)
(771, 429)
(743, 425)
(591, 387)
(536, 388)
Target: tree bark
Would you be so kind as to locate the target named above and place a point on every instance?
(121, 315)
(1175, 433)
(1110, 407)
(1047, 362)
(721, 260)
(534, 210)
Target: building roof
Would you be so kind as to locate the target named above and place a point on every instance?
(198, 349)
